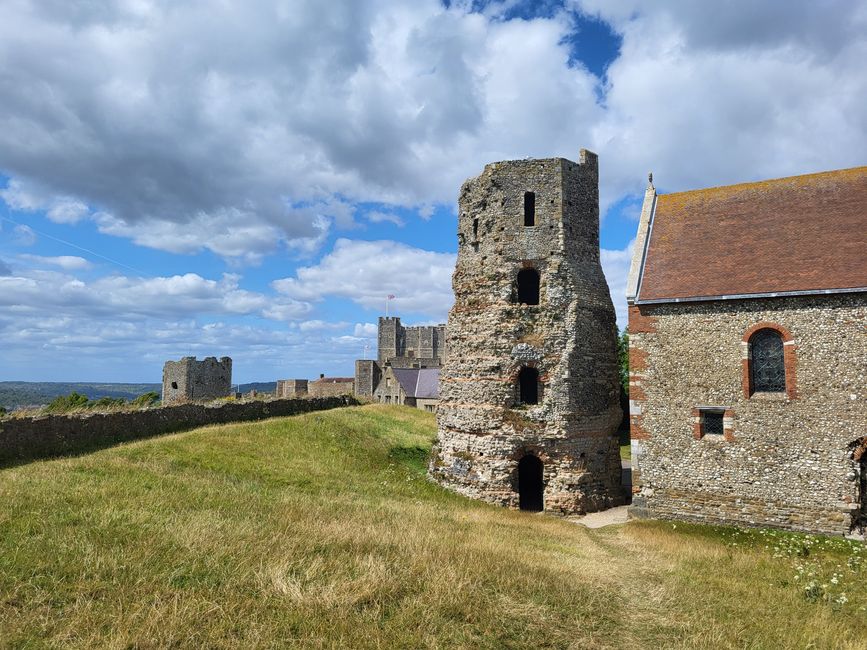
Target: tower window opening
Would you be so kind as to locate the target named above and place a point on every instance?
(528, 286)
(531, 483)
(175, 385)
(529, 208)
(475, 229)
(528, 386)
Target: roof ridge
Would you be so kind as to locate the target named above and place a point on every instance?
(782, 179)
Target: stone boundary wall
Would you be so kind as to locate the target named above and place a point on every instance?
(56, 435)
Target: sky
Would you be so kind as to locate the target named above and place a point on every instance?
(253, 178)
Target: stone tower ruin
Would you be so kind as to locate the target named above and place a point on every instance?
(529, 394)
(189, 380)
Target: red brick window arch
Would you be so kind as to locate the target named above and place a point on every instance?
(769, 360)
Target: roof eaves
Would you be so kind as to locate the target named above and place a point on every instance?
(743, 296)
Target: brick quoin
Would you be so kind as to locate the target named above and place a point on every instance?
(637, 359)
(728, 431)
(636, 392)
(636, 430)
(641, 322)
(790, 359)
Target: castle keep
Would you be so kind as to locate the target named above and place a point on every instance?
(398, 346)
(189, 380)
(748, 349)
(529, 392)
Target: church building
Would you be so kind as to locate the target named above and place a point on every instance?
(748, 354)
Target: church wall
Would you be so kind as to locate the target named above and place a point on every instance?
(785, 460)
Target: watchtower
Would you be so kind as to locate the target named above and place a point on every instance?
(529, 393)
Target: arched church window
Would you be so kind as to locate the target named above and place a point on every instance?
(767, 363)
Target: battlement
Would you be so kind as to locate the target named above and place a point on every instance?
(403, 346)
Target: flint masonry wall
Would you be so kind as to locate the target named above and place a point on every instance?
(785, 460)
(54, 435)
(569, 338)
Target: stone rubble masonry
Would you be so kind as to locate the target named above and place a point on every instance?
(291, 388)
(189, 380)
(570, 338)
(331, 387)
(785, 459)
(54, 435)
(367, 376)
(422, 346)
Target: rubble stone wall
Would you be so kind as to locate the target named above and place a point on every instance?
(291, 388)
(569, 338)
(326, 388)
(787, 459)
(54, 435)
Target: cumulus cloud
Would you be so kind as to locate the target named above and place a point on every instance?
(740, 91)
(366, 272)
(237, 149)
(365, 330)
(117, 296)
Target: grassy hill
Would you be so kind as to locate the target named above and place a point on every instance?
(321, 531)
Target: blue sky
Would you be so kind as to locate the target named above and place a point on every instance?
(253, 178)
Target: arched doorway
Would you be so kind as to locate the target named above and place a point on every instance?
(531, 485)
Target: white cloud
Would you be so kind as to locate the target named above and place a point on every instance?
(377, 216)
(366, 272)
(317, 325)
(312, 109)
(121, 297)
(24, 235)
(615, 265)
(365, 330)
(65, 262)
(741, 91)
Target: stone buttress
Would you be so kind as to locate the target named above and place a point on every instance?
(530, 392)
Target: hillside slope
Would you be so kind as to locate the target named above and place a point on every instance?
(322, 531)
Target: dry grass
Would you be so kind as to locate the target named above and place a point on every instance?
(321, 531)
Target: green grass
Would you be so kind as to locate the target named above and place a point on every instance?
(322, 531)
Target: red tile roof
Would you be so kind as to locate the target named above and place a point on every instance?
(802, 233)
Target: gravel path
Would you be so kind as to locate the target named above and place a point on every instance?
(604, 518)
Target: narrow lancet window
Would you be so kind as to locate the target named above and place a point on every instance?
(528, 286)
(528, 386)
(529, 208)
